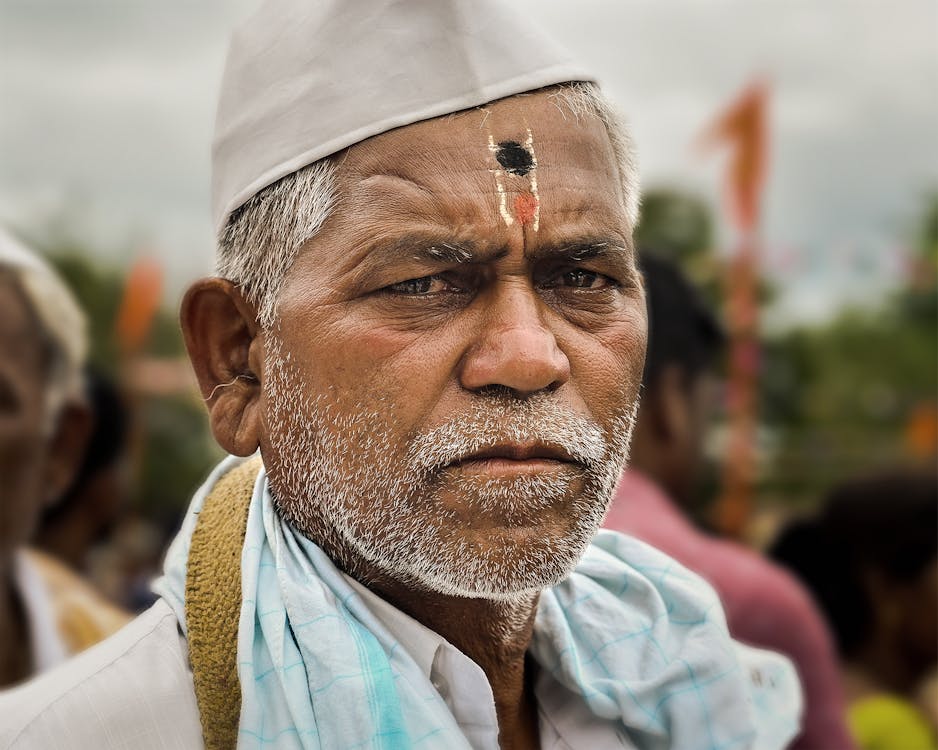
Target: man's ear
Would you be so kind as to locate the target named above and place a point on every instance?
(67, 447)
(220, 329)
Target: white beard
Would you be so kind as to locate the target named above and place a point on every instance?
(368, 493)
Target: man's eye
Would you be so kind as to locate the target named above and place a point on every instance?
(423, 285)
(582, 279)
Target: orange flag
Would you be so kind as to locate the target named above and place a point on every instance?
(743, 126)
(139, 305)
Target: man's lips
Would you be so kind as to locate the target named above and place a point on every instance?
(514, 459)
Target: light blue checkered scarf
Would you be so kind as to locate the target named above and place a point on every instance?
(641, 640)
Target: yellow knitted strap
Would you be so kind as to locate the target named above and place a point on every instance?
(213, 603)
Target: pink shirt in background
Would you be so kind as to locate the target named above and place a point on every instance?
(765, 606)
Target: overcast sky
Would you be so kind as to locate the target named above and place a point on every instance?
(106, 112)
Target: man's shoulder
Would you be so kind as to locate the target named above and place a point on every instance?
(132, 690)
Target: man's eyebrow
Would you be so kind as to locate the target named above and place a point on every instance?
(439, 248)
(443, 249)
(419, 247)
(446, 251)
(584, 249)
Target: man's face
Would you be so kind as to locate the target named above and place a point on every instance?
(451, 383)
(23, 441)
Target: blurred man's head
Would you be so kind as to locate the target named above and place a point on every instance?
(442, 374)
(88, 511)
(870, 558)
(679, 384)
(43, 418)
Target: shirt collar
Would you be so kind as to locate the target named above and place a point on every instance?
(417, 640)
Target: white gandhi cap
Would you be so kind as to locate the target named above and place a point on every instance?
(307, 78)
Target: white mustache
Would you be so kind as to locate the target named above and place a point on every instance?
(491, 424)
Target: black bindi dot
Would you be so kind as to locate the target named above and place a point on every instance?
(514, 157)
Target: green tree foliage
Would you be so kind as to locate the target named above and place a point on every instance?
(98, 290)
(678, 226)
(675, 224)
(839, 396)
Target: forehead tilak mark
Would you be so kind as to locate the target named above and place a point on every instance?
(500, 187)
(532, 204)
(515, 158)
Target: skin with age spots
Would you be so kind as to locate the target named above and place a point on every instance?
(451, 373)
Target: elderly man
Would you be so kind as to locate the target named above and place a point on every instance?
(46, 613)
(429, 323)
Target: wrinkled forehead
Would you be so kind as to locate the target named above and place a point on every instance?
(516, 135)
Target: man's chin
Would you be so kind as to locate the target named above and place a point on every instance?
(487, 587)
(504, 564)
(513, 505)
(516, 594)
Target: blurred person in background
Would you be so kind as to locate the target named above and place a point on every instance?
(659, 493)
(870, 557)
(90, 528)
(70, 529)
(46, 612)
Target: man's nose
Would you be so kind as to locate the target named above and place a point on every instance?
(514, 347)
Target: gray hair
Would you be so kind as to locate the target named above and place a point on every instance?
(262, 238)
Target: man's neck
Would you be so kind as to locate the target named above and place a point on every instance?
(495, 635)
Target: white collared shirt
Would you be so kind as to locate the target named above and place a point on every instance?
(565, 722)
(135, 690)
